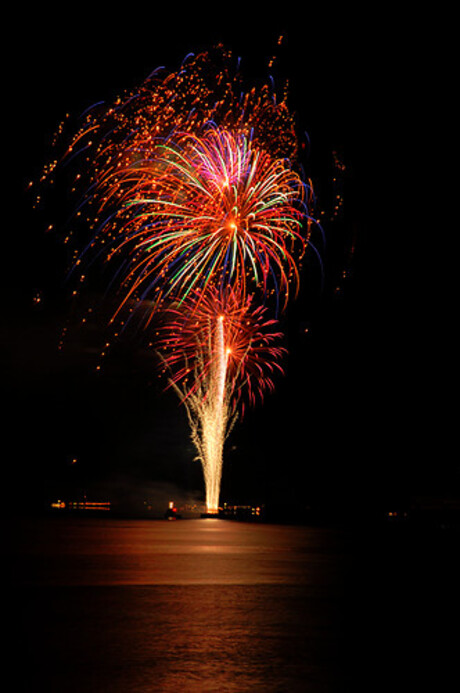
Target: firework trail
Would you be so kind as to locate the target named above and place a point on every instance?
(194, 197)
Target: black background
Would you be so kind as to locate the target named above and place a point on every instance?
(356, 426)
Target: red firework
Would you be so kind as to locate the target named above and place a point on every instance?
(188, 342)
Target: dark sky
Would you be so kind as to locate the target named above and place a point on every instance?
(355, 422)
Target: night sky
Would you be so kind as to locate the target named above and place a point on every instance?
(356, 423)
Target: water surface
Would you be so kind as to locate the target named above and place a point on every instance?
(194, 605)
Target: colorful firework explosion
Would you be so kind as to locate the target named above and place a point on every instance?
(206, 210)
(167, 193)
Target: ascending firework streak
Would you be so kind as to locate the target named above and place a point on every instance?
(208, 411)
(194, 200)
(212, 414)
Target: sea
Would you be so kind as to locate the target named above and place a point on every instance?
(211, 605)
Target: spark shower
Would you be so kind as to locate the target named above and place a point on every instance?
(191, 191)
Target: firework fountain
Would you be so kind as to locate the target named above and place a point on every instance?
(194, 200)
(218, 349)
(208, 412)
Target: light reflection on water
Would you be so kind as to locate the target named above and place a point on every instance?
(105, 552)
(193, 605)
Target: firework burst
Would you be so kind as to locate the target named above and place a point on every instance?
(186, 340)
(207, 210)
(187, 178)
